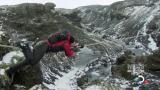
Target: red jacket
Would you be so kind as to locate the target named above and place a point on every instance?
(66, 45)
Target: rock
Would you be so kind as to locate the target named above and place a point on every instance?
(28, 77)
(50, 6)
(82, 81)
(33, 20)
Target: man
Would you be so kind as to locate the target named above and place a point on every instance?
(61, 41)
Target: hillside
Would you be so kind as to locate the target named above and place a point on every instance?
(124, 33)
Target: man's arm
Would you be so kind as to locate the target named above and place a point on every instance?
(68, 51)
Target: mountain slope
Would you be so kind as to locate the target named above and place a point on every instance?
(124, 20)
(107, 30)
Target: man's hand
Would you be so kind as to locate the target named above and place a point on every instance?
(81, 46)
(77, 45)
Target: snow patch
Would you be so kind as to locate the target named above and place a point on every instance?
(1, 33)
(2, 71)
(94, 87)
(36, 87)
(24, 40)
(140, 45)
(86, 69)
(1, 62)
(7, 58)
(15, 61)
(67, 82)
(0, 28)
(95, 73)
(49, 86)
(152, 45)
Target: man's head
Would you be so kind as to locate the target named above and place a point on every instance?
(72, 40)
(74, 43)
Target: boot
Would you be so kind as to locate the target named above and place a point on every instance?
(9, 73)
(23, 45)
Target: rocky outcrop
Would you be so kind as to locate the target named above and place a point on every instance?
(27, 77)
(34, 21)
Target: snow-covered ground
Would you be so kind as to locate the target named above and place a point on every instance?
(68, 80)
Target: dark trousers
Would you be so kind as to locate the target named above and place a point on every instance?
(32, 56)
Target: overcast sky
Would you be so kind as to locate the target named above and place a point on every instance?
(61, 3)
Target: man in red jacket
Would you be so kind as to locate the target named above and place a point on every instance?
(62, 41)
